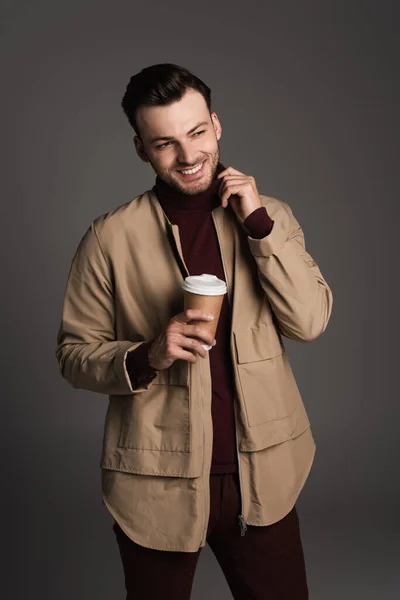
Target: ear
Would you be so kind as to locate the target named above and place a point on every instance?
(140, 149)
(217, 125)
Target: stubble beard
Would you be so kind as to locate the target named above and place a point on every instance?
(190, 189)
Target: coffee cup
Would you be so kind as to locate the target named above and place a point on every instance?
(206, 293)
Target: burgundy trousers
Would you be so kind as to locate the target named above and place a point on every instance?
(266, 563)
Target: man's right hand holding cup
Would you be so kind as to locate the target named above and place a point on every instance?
(181, 340)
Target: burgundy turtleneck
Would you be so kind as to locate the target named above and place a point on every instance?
(201, 254)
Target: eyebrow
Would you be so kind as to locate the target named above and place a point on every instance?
(158, 139)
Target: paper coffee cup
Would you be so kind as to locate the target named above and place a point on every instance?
(206, 293)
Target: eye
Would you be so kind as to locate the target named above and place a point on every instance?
(199, 132)
(164, 145)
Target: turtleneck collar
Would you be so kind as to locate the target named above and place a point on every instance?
(177, 201)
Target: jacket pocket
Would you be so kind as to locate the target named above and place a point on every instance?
(268, 388)
(157, 419)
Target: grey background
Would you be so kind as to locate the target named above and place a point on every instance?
(308, 95)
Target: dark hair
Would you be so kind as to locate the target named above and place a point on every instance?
(160, 85)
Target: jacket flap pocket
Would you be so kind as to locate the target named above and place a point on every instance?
(257, 343)
(276, 431)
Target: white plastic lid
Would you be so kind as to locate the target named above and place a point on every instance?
(205, 285)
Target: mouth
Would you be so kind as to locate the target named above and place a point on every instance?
(192, 173)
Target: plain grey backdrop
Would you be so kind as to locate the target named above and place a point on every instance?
(308, 95)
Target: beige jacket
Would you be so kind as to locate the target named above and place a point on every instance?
(123, 287)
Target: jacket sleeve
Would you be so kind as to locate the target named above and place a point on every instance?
(88, 354)
(137, 364)
(299, 295)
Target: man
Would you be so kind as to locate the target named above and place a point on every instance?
(198, 446)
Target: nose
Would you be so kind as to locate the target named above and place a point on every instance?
(186, 155)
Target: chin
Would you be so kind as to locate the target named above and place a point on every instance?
(194, 187)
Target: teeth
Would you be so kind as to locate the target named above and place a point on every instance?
(190, 171)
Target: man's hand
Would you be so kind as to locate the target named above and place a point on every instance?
(241, 190)
(169, 345)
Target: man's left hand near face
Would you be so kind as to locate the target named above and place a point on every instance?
(240, 190)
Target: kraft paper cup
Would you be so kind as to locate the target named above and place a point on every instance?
(205, 292)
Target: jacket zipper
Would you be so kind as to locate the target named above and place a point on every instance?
(180, 252)
(242, 522)
(204, 450)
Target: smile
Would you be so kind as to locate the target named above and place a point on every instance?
(189, 172)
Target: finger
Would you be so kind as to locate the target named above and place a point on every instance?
(193, 344)
(198, 331)
(228, 170)
(231, 191)
(236, 176)
(233, 179)
(183, 355)
(191, 314)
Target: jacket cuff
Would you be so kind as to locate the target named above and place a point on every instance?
(259, 224)
(140, 372)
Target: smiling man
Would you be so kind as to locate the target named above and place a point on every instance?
(199, 446)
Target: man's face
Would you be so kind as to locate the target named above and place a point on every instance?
(186, 137)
